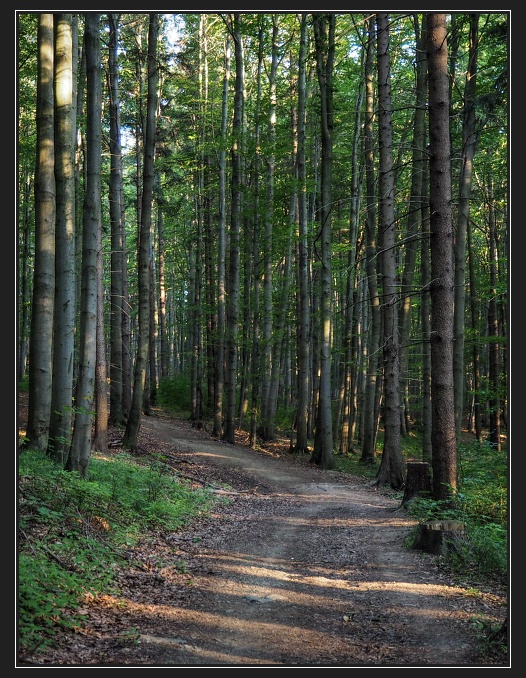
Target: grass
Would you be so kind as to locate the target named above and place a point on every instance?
(74, 532)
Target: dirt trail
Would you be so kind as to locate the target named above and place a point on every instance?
(302, 568)
(307, 567)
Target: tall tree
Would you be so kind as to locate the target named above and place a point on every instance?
(493, 330)
(374, 353)
(391, 471)
(221, 254)
(469, 144)
(324, 30)
(42, 308)
(267, 428)
(66, 50)
(414, 221)
(80, 451)
(443, 438)
(144, 255)
(118, 246)
(232, 283)
(303, 350)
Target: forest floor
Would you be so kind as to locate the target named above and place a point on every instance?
(302, 567)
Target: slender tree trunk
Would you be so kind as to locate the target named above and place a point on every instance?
(256, 256)
(232, 305)
(324, 30)
(80, 451)
(414, 217)
(154, 324)
(66, 50)
(493, 327)
(391, 471)
(161, 281)
(267, 426)
(427, 450)
(141, 358)
(372, 339)
(100, 437)
(473, 302)
(469, 144)
(221, 256)
(42, 309)
(117, 258)
(442, 278)
(346, 441)
(302, 408)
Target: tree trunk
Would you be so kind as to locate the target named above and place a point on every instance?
(302, 407)
(232, 305)
(372, 339)
(66, 50)
(42, 309)
(493, 331)
(324, 29)
(141, 358)
(117, 259)
(469, 144)
(442, 280)
(417, 480)
(221, 256)
(80, 451)
(414, 221)
(391, 471)
(267, 427)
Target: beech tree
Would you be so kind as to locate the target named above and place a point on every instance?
(42, 307)
(66, 56)
(80, 450)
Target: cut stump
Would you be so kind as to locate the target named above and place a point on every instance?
(439, 536)
(417, 480)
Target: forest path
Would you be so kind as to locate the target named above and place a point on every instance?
(305, 567)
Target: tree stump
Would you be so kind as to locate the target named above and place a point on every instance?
(417, 480)
(439, 536)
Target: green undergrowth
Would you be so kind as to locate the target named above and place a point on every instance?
(74, 533)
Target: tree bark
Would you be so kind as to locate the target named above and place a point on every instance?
(391, 471)
(66, 49)
(232, 300)
(80, 451)
(141, 358)
(302, 407)
(442, 280)
(43, 302)
(469, 144)
(118, 261)
(374, 353)
(324, 30)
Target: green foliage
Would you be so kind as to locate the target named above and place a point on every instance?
(72, 532)
(481, 504)
(174, 394)
(351, 464)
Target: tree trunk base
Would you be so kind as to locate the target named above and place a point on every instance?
(417, 480)
(440, 537)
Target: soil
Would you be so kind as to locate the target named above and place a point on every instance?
(299, 567)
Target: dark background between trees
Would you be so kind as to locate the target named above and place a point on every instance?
(301, 217)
